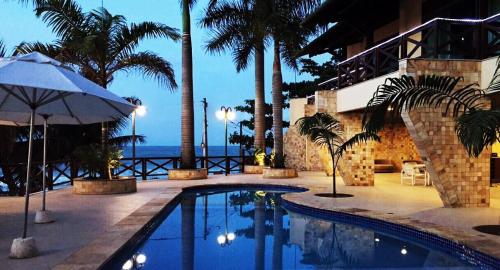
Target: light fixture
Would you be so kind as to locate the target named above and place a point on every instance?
(404, 251)
(141, 110)
(231, 115)
(128, 265)
(377, 239)
(231, 236)
(140, 259)
(221, 239)
(220, 114)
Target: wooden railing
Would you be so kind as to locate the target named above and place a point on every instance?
(62, 172)
(437, 39)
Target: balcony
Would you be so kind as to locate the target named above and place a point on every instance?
(439, 38)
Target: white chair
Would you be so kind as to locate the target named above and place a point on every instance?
(413, 171)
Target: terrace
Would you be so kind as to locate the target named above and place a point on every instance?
(87, 233)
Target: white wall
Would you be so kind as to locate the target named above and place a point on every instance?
(297, 109)
(488, 67)
(357, 96)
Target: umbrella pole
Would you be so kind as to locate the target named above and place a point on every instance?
(44, 216)
(44, 168)
(28, 175)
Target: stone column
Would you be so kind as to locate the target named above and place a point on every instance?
(461, 181)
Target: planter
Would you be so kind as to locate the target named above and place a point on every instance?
(279, 173)
(187, 174)
(119, 185)
(253, 169)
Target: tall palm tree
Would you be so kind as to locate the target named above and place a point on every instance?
(476, 125)
(326, 131)
(241, 27)
(187, 119)
(100, 44)
(288, 37)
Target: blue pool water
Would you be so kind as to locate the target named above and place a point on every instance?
(248, 229)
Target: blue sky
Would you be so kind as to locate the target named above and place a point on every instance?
(215, 76)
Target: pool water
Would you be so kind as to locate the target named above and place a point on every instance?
(251, 230)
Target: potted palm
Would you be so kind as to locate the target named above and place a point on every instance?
(92, 159)
(326, 131)
(258, 161)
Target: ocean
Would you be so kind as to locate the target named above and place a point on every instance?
(175, 151)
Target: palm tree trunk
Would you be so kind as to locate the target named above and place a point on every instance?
(187, 121)
(334, 169)
(104, 134)
(277, 106)
(260, 102)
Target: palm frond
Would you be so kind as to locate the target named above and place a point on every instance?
(406, 94)
(321, 128)
(63, 16)
(121, 141)
(150, 65)
(3, 51)
(476, 129)
(362, 137)
(495, 81)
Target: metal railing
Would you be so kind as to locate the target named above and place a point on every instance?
(439, 38)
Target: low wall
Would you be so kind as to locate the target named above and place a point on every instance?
(104, 187)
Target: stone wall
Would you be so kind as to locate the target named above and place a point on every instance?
(461, 181)
(104, 187)
(396, 144)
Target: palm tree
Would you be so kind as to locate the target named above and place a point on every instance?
(326, 131)
(241, 26)
(3, 51)
(476, 125)
(288, 37)
(100, 44)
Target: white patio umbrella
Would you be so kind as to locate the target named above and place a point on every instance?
(34, 87)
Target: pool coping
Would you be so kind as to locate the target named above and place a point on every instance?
(98, 252)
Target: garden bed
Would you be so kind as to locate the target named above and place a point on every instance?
(119, 185)
(277, 173)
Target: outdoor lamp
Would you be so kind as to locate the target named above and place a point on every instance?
(225, 113)
(404, 251)
(141, 110)
(225, 239)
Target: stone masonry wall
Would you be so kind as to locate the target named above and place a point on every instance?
(396, 145)
(460, 180)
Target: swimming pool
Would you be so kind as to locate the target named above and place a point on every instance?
(256, 229)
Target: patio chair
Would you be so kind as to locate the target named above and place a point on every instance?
(414, 171)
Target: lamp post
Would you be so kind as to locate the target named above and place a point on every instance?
(227, 238)
(225, 113)
(140, 110)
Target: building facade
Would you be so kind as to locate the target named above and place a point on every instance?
(376, 40)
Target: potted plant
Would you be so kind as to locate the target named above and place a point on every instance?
(277, 168)
(98, 163)
(258, 161)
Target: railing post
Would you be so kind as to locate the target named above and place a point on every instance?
(228, 165)
(404, 47)
(436, 39)
(377, 62)
(144, 169)
(242, 165)
(174, 161)
(73, 170)
(356, 70)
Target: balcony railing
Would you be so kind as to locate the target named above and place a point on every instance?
(437, 39)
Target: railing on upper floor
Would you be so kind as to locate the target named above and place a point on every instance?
(437, 39)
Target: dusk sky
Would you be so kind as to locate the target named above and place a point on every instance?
(215, 76)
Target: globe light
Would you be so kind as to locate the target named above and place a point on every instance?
(220, 114)
(231, 236)
(231, 115)
(141, 110)
(377, 239)
(141, 259)
(404, 251)
(221, 239)
(128, 265)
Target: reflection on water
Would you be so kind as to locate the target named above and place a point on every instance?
(250, 230)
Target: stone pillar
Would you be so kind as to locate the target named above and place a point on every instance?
(461, 181)
(357, 165)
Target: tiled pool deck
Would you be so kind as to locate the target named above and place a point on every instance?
(90, 228)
